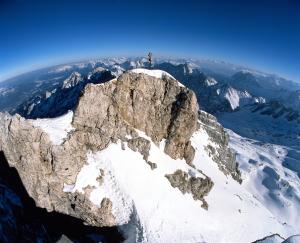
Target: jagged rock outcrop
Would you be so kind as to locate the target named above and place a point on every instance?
(72, 81)
(105, 113)
(22, 221)
(221, 154)
(161, 109)
(133, 109)
(141, 145)
(197, 186)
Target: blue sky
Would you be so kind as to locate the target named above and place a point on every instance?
(260, 34)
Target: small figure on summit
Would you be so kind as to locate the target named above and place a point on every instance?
(150, 59)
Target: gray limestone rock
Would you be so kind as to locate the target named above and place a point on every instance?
(107, 113)
(141, 145)
(197, 186)
(160, 108)
(152, 165)
(221, 154)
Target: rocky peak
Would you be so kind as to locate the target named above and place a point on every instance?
(160, 108)
(106, 113)
(97, 73)
(136, 112)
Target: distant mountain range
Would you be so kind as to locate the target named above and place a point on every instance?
(224, 82)
(245, 136)
(221, 89)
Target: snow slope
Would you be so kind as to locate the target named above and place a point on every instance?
(156, 212)
(263, 173)
(57, 128)
(154, 73)
(261, 127)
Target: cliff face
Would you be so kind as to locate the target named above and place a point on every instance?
(105, 113)
(160, 108)
(221, 154)
(116, 111)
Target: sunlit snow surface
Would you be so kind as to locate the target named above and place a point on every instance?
(236, 98)
(157, 212)
(57, 128)
(154, 73)
(264, 175)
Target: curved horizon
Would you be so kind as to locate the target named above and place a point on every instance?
(263, 35)
(99, 58)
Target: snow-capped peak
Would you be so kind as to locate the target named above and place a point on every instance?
(210, 81)
(71, 81)
(233, 96)
(154, 73)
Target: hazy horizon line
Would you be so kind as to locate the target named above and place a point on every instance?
(170, 57)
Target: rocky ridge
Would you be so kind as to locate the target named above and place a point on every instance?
(221, 154)
(107, 113)
(61, 99)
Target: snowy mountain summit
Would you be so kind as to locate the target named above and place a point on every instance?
(137, 153)
(73, 80)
